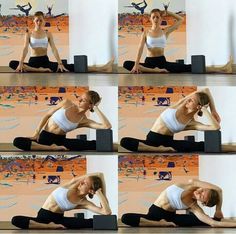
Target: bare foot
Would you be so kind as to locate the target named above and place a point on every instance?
(164, 223)
(58, 147)
(228, 67)
(55, 226)
(160, 70)
(108, 66)
(42, 69)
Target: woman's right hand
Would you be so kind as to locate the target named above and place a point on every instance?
(136, 69)
(20, 68)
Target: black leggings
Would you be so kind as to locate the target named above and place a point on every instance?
(46, 216)
(156, 139)
(156, 213)
(41, 61)
(47, 138)
(160, 62)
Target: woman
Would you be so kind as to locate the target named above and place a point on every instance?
(72, 195)
(38, 41)
(155, 40)
(65, 117)
(179, 117)
(184, 196)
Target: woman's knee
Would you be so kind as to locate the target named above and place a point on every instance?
(129, 143)
(131, 219)
(20, 222)
(13, 64)
(22, 143)
(128, 65)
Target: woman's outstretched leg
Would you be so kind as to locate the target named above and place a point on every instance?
(26, 144)
(107, 68)
(227, 68)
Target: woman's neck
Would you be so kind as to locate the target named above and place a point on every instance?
(38, 30)
(155, 27)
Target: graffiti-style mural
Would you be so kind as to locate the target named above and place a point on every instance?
(16, 17)
(22, 108)
(142, 178)
(26, 181)
(133, 19)
(140, 106)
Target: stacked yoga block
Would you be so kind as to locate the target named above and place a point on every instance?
(104, 140)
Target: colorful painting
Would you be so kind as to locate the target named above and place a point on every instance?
(16, 17)
(32, 178)
(140, 106)
(22, 108)
(133, 18)
(142, 178)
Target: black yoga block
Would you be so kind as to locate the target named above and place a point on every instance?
(105, 222)
(198, 64)
(82, 137)
(80, 63)
(189, 138)
(104, 140)
(181, 61)
(79, 215)
(212, 141)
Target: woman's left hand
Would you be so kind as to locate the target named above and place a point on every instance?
(61, 68)
(216, 116)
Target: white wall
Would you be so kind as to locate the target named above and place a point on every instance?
(220, 170)
(225, 99)
(109, 106)
(108, 165)
(93, 29)
(211, 29)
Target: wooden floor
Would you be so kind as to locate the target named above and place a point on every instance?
(92, 79)
(134, 230)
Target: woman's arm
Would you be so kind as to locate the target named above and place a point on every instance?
(20, 67)
(103, 209)
(140, 52)
(76, 180)
(179, 21)
(212, 104)
(56, 54)
(203, 184)
(105, 124)
(208, 220)
(213, 124)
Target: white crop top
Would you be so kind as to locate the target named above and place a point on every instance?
(60, 196)
(174, 193)
(39, 42)
(59, 117)
(169, 118)
(156, 42)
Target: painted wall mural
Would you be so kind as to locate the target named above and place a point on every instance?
(139, 106)
(16, 17)
(142, 178)
(133, 18)
(32, 178)
(21, 108)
